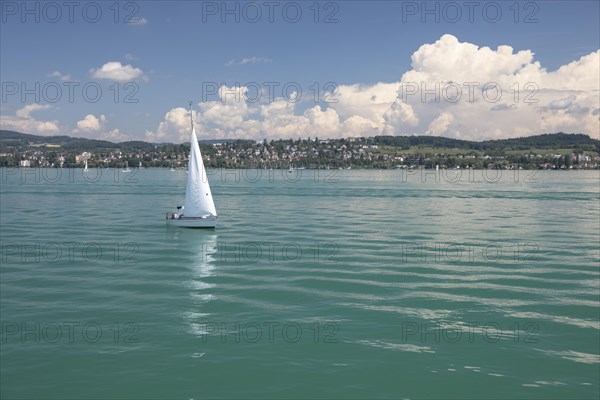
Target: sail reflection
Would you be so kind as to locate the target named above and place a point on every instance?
(201, 267)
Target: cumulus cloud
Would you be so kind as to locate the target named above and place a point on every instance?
(174, 127)
(398, 113)
(444, 93)
(91, 126)
(61, 76)
(95, 128)
(29, 108)
(232, 116)
(453, 88)
(440, 125)
(114, 70)
(113, 135)
(22, 121)
(91, 123)
(367, 101)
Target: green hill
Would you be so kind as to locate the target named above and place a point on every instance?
(22, 141)
(545, 141)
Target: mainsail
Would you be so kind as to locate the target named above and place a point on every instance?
(198, 197)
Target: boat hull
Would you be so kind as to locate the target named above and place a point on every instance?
(205, 223)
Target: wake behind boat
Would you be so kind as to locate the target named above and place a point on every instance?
(198, 210)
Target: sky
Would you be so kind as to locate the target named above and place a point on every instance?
(272, 69)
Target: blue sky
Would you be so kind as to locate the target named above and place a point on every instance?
(177, 46)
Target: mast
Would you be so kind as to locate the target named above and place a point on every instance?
(191, 116)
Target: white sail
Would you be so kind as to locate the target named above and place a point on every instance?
(198, 197)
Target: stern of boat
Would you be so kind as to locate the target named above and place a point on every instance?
(185, 222)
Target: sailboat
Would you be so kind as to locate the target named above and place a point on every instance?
(85, 169)
(198, 210)
(126, 167)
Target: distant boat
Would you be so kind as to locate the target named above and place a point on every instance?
(290, 169)
(126, 167)
(199, 209)
(140, 166)
(85, 169)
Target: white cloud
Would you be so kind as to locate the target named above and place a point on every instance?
(93, 127)
(59, 75)
(323, 122)
(91, 123)
(529, 100)
(359, 126)
(24, 122)
(532, 100)
(174, 127)
(90, 126)
(113, 135)
(440, 125)
(232, 117)
(369, 102)
(130, 57)
(231, 111)
(29, 108)
(398, 113)
(114, 70)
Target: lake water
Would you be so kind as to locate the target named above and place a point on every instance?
(341, 284)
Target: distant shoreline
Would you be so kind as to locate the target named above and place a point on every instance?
(545, 151)
(317, 169)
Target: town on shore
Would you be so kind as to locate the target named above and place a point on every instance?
(547, 151)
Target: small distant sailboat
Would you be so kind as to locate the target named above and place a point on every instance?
(126, 167)
(199, 209)
(85, 169)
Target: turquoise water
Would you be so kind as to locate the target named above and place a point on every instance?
(329, 284)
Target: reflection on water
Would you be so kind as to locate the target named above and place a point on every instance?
(199, 248)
